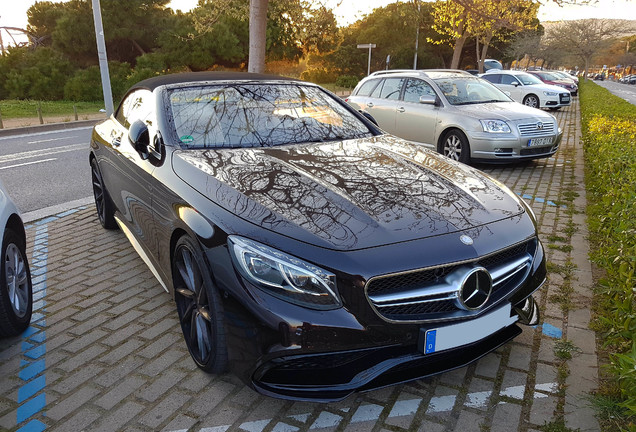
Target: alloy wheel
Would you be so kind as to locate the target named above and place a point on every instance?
(453, 147)
(98, 192)
(17, 281)
(532, 101)
(193, 305)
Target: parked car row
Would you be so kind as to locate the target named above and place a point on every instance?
(628, 79)
(529, 89)
(308, 250)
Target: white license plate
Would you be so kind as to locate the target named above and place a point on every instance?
(540, 141)
(467, 332)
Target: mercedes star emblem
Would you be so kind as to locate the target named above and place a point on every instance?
(475, 289)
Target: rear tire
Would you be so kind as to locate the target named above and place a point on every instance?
(105, 207)
(16, 291)
(199, 307)
(455, 146)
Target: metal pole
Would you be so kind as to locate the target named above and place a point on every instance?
(369, 64)
(417, 37)
(103, 59)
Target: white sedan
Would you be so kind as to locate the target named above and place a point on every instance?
(16, 291)
(528, 89)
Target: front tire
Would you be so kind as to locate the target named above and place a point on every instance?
(16, 290)
(531, 101)
(455, 146)
(199, 307)
(105, 208)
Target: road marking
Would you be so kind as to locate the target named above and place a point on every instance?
(52, 139)
(32, 395)
(401, 408)
(44, 152)
(45, 133)
(28, 163)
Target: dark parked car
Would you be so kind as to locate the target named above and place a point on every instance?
(549, 78)
(307, 250)
(16, 291)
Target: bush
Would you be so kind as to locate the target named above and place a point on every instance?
(86, 84)
(609, 139)
(38, 74)
(347, 81)
(318, 75)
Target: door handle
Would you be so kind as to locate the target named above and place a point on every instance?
(370, 104)
(401, 109)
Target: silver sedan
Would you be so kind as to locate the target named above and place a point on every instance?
(16, 292)
(461, 116)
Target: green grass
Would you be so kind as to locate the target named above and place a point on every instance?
(11, 109)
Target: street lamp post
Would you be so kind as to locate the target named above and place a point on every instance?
(370, 46)
(103, 60)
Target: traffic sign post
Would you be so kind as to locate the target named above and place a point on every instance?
(370, 47)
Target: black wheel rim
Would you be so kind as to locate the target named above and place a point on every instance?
(98, 191)
(16, 280)
(193, 305)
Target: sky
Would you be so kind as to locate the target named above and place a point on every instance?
(13, 12)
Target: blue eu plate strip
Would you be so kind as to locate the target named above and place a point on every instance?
(430, 341)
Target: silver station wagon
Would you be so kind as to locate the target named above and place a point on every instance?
(457, 114)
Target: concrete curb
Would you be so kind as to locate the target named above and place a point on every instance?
(48, 127)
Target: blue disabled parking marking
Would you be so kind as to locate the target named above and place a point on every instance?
(540, 200)
(552, 331)
(31, 395)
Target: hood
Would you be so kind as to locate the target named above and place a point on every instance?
(512, 111)
(347, 195)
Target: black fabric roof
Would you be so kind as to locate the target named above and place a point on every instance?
(187, 77)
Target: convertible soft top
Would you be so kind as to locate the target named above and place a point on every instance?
(187, 77)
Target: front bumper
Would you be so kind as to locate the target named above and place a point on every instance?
(291, 352)
(489, 149)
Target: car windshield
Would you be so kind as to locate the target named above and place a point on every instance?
(548, 76)
(259, 115)
(527, 79)
(470, 90)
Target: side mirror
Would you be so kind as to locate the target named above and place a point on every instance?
(140, 138)
(516, 84)
(428, 100)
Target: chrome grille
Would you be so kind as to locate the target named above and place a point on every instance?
(533, 129)
(431, 295)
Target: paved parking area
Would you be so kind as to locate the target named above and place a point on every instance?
(105, 350)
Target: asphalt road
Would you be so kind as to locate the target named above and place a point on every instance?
(624, 91)
(46, 169)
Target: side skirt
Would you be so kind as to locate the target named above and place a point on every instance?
(140, 251)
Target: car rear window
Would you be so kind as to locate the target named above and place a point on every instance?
(367, 87)
(259, 115)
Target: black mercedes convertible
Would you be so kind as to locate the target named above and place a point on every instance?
(308, 251)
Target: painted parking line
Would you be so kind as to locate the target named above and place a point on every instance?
(371, 412)
(32, 393)
(540, 200)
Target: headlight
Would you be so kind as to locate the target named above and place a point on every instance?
(550, 93)
(495, 126)
(284, 276)
(562, 86)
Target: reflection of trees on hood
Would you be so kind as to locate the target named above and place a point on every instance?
(345, 191)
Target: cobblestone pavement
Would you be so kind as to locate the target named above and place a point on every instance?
(105, 351)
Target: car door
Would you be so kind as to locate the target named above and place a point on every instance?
(416, 121)
(382, 103)
(126, 174)
(509, 83)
